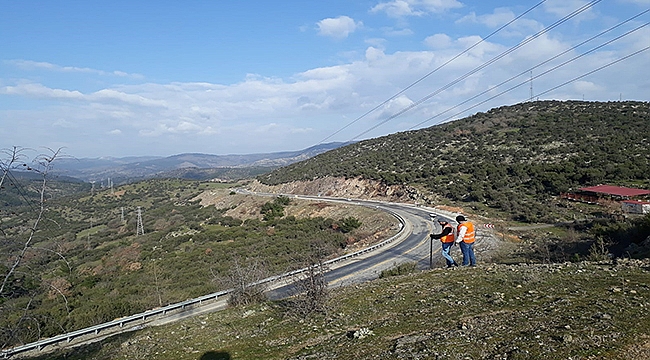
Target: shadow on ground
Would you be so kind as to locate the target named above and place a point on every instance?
(215, 355)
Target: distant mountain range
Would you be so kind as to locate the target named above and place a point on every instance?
(194, 166)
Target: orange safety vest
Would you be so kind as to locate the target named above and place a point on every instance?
(469, 234)
(450, 237)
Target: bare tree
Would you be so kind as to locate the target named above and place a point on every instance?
(45, 165)
(24, 326)
(311, 292)
(13, 156)
(245, 280)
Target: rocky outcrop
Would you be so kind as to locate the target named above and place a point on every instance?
(356, 188)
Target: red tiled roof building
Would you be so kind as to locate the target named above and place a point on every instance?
(595, 194)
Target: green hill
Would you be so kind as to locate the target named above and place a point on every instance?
(514, 159)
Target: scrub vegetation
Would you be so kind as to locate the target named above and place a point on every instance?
(85, 264)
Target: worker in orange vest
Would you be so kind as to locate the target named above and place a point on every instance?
(465, 237)
(446, 237)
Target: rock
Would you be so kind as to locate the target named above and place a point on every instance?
(359, 334)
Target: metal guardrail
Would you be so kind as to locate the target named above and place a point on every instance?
(40, 344)
(96, 329)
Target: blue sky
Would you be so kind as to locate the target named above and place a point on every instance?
(129, 78)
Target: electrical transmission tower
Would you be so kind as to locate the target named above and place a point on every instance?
(140, 228)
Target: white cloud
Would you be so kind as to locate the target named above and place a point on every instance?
(39, 91)
(563, 8)
(393, 106)
(397, 32)
(500, 17)
(339, 27)
(587, 87)
(110, 95)
(438, 41)
(403, 8)
(33, 65)
(115, 132)
(397, 8)
(374, 54)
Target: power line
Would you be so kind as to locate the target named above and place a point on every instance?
(432, 72)
(551, 89)
(595, 70)
(483, 66)
(547, 61)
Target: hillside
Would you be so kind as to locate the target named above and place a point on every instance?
(515, 160)
(87, 262)
(590, 310)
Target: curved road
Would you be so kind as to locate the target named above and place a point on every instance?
(414, 247)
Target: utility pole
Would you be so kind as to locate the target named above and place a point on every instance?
(140, 229)
(531, 85)
(122, 216)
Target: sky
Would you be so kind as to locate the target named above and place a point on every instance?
(158, 78)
